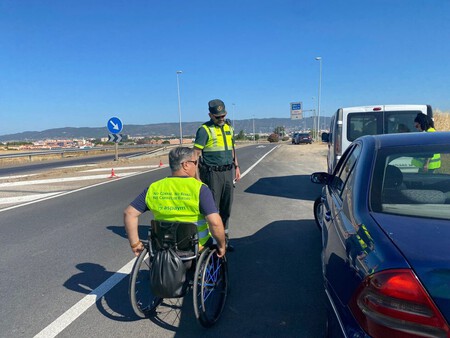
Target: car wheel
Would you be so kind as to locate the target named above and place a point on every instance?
(318, 212)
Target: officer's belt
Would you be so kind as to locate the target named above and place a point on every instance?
(219, 167)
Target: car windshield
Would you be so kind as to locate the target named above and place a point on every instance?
(412, 181)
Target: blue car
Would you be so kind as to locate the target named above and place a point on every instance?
(385, 224)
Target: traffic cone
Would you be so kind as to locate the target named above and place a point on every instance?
(113, 174)
(160, 163)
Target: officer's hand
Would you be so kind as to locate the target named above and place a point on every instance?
(238, 174)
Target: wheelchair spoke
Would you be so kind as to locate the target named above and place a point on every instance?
(210, 288)
(142, 301)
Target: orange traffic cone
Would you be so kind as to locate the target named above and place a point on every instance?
(160, 163)
(113, 174)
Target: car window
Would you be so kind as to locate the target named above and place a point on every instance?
(400, 121)
(413, 181)
(359, 124)
(344, 169)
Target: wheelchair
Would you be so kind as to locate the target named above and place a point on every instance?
(206, 274)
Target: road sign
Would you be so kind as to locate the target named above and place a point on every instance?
(296, 111)
(115, 138)
(114, 125)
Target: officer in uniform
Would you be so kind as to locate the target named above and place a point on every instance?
(214, 142)
(424, 123)
(178, 198)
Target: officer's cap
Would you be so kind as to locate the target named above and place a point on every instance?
(216, 107)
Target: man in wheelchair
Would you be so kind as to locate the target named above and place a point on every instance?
(178, 198)
(181, 253)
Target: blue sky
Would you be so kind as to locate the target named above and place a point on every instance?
(78, 63)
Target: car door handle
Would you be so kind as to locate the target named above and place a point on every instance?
(327, 216)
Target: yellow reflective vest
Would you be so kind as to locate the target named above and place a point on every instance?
(217, 141)
(434, 162)
(177, 199)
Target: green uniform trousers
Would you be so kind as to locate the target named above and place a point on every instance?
(221, 185)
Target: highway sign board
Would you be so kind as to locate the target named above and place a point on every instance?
(115, 138)
(114, 125)
(296, 111)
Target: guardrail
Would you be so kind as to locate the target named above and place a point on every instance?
(64, 152)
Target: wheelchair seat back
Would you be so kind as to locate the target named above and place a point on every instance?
(182, 237)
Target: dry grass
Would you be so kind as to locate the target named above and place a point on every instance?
(442, 120)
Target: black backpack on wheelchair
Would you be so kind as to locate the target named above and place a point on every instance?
(174, 246)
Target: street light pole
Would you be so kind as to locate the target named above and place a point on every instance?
(234, 108)
(179, 106)
(319, 58)
(254, 137)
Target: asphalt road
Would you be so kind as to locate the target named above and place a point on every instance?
(58, 253)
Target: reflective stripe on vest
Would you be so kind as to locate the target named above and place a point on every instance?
(171, 204)
(218, 139)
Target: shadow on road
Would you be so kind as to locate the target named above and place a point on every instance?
(275, 288)
(113, 304)
(296, 187)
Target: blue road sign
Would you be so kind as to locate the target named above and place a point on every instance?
(296, 106)
(114, 125)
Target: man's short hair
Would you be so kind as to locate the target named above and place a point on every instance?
(179, 155)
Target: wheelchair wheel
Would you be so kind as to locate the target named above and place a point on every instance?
(142, 301)
(210, 287)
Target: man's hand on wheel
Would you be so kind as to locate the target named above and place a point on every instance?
(221, 251)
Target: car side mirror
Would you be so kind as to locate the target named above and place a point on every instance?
(320, 178)
(325, 137)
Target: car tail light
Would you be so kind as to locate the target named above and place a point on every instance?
(393, 303)
(377, 109)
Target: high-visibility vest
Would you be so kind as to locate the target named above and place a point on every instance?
(176, 199)
(435, 161)
(218, 139)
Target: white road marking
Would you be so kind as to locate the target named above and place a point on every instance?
(122, 168)
(27, 198)
(16, 176)
(72, 191)
(62, 179)
(77, 166)
(79, 308)
(254, 164)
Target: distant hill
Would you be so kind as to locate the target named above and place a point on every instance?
(262, 126)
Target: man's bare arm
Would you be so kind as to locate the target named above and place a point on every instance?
(131, 221)
(217, 231)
